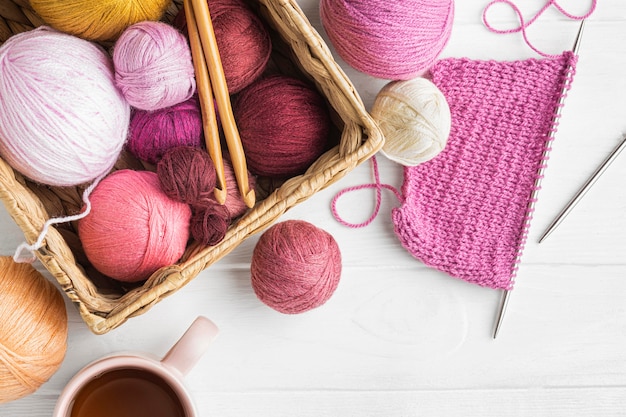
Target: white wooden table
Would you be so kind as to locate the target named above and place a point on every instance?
(397, 338)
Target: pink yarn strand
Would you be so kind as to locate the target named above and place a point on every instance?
(377, 185)
(17, 256)
(524, 25)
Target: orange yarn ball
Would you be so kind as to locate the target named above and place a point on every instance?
(33, 329)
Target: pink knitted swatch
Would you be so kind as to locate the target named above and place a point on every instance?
(467, 211)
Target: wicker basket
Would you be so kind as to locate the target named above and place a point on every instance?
(104, 305)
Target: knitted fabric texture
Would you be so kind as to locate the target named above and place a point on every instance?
(467, 211)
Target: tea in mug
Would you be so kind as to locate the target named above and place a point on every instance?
(128, 392)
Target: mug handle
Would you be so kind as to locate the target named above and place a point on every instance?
(191, 346)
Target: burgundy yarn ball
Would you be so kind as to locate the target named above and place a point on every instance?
(283, 124)
(187, 174)
(151, 134)
(209, 224)
(242, 39)
(295, 267)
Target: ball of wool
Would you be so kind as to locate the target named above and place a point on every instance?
(133, 228)
(396, 40)
(99, 20)
(33, 329)
(153, 66)
(234, 201)
(283, 124)
(187, 174)
(152, 133)
(209, 223)
(295, 266)
(242, 39)
(414, 117)
(63, 121)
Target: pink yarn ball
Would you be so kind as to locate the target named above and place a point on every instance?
(295, 266)
(396, 40)
(133, 228)
(283, 124)
(234, 202)
(153, 66)
(152, 133)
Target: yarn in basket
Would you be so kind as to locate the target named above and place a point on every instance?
(98, 20)
(396, 40)
(33, 329)
(153, 66)
(295, 266)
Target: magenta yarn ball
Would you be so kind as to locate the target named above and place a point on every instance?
(396, 40)
(152, 133)
(295, 266)
(153, 66)
(283, 124)
(133, 228)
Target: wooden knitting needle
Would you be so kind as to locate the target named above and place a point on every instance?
(218, 82)
(583, 190)
(533, 198)
(207, 106)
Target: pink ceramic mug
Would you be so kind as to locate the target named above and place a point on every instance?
(137, 384)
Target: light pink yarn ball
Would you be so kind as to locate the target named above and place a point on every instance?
(153, 66)
(62, 120)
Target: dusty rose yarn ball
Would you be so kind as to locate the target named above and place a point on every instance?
(133, 228)
(295, 267)
(152, 133)
(284, 125)
(234, 202)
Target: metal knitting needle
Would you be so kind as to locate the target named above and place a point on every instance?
(533, 198)
(583, 190)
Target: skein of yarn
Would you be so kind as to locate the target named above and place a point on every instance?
(99, 20)
(414, 117)
(283, 124)
(209, 223)
(152, 133)
(151, 233)
(395, 40)
(33, 329)
(153, 66)
(295, 266)
(187, 174)
(242, 39)
(63, 121)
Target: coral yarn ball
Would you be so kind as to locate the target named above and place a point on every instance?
(63, 121)
(153, 66)
(187, 174)
(100, 20)
(152, 133)
(283, 124)
(295, 267)
(133, 228)
(396, 40)
(33, 329)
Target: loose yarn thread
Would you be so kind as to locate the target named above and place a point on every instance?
(33, 329)
(295, 266)
(396, 40)
(153, 66)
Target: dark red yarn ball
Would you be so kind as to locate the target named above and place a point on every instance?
(242, 39)
(187, 174)
(152, 133)
(284, 125)
(209, 224)
(295, 266)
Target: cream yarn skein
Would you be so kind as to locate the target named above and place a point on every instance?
(33, 329)
(414, 117)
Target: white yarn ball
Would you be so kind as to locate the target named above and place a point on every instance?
(62, 120)
(414, 117)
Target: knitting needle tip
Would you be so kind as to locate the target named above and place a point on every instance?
(503, 305)
(579, 37)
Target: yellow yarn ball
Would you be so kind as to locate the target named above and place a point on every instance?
(33, 329)
(414, 117)
(97, 20)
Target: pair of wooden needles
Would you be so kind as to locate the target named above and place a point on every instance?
(574, 200)
(210, 81)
